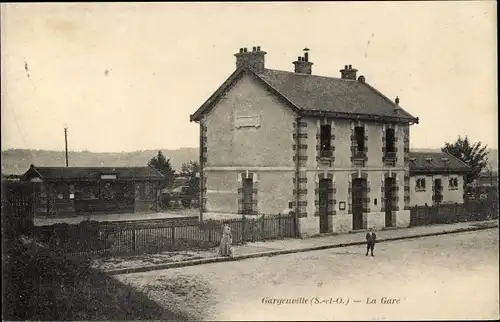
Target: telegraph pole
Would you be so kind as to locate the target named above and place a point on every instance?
(66, 144)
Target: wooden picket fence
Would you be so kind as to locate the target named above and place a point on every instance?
(110, 239)
(476, 210)
(17, 211)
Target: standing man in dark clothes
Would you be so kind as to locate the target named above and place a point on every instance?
(370, 241)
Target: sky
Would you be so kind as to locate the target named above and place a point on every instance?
(126, 77)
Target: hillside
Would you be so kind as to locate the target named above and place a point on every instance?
(17, 161)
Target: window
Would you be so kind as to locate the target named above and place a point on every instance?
(420, 184)
(453, 183)
(325, 141)
(42, 190)
(390, 142)
(248, 196)
(61, 191)
(359, 137)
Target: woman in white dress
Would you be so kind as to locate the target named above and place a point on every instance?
(226, 241)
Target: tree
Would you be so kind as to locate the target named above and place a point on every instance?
(474, 155)
(190, 171)
(163, 165)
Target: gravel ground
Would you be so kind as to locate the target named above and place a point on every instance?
(175, 213)
(442, 277)
(113, 263)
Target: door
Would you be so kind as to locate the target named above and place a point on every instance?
(438, 191)
(324, 184)
(109, 197)
(125, 197)
(358, 196)
(388, 196)
(247, 196)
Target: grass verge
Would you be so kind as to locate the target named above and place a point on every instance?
(41, 285)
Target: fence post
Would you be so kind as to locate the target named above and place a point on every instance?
(243, 229)
(262, 235)
(173, 235)
(133, 240)
(429, 214)
(279, 225)
(412, 216)
(426, 214)
(295, 228)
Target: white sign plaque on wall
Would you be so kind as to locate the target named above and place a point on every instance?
(108, 176)
(247, 121)
(342, 205)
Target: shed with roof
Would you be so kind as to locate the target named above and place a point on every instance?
(66, 191)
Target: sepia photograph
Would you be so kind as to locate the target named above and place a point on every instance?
(250, 161)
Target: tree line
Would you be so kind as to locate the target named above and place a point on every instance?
(189, 170)
(472, 154)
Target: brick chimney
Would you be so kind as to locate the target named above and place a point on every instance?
(252, 59)
(348, 72)
(302, 64)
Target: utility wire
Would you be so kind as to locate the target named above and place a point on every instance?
(16, 120)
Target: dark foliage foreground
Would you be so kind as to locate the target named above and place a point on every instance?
(40, 285)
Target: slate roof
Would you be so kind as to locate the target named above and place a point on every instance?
(315, 95)
(435, 162)
(93, 173)
(319, 93)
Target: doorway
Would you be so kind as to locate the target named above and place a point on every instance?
(389, 186)
(438, 191)
(324, 186)
(358, 197)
